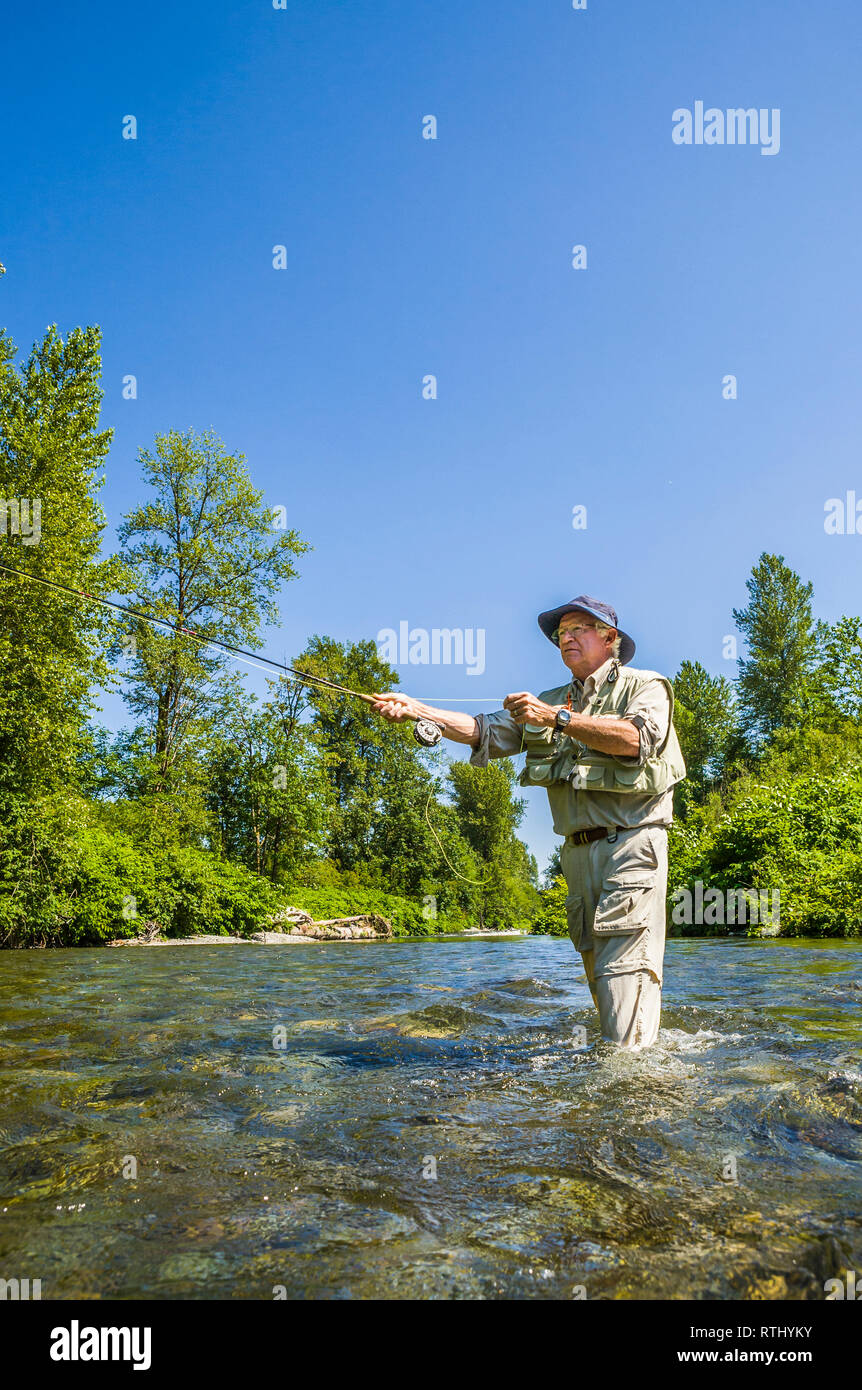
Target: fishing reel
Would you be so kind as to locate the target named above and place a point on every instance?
(426, 732)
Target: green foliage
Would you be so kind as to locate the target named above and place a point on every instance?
(784, 813)
(388, 828)
(488, 814)
(203, 556)
(267, 790)
(800, 837)
(77, 882)
(51, 647)
(777, 687)
(554, 867)
(357, 744)
(550, 919)
(705, 720)
(840, 678)
(37, 858)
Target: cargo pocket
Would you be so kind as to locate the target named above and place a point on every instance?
(624, 905)
(575, 919)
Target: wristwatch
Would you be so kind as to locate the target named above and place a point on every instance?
(563, 719)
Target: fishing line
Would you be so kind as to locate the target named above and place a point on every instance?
(425, 731)
(480, 882)
(249, 658)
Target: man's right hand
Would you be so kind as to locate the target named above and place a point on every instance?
(397, 707)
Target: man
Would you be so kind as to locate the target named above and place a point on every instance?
(605, 749)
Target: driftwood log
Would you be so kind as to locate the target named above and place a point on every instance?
(367, 926)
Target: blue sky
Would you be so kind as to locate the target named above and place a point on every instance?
(405, 257)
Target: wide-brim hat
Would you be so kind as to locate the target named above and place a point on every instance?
(550, 621)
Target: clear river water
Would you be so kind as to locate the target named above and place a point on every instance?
(425, 1119)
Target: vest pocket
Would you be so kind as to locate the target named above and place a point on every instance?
(624, 905)
(587, 776)
(554, 767)
(539, 772)
(653, 776)
(627, 776)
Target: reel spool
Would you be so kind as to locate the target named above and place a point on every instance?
(426, 732)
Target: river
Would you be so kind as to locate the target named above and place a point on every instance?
(423, 1119)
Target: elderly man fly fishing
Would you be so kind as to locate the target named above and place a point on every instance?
(605, 749)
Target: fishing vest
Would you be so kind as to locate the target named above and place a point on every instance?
(554, 758)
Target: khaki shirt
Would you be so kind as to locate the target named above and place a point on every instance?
(501, 737)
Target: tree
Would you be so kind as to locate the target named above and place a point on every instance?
(389, 829)
(360, 751)
(51, 455)
(554, 866)
(355, 740)
(776, 682)
(705, 720)
(840, 678)
(267, 788)
(203, 556)
(551, 919)
(51, 646)
(488, 814)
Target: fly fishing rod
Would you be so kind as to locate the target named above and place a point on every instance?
(425, 731)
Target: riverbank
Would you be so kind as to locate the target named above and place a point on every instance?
(290, 938)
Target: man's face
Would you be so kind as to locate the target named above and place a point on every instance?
(582, 648)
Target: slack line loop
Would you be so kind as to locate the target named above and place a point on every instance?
(424, 730)
(479, 882)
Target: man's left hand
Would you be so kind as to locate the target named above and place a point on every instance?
(529, 709)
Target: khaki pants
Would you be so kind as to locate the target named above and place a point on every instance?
(616, 914)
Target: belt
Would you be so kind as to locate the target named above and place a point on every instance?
(602, 832)
(598, 832)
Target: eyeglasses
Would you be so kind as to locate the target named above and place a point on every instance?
(572, 631)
